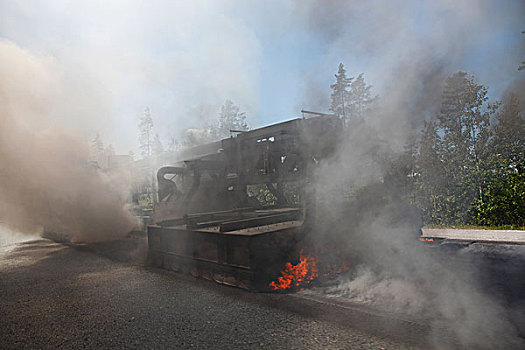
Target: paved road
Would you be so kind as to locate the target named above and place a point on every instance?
(56, 296)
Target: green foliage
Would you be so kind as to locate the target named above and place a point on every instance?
(262, 194)
(350, 98)
(360, 98)
(340, 93)
(503, 202)
(230, 118)
(467, 170)
(265, 197)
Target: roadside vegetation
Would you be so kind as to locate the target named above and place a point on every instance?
(466, 166)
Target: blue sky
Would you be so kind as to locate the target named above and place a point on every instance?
(99, 64)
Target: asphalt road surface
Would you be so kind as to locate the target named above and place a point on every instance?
(104, 296)
(59, 296)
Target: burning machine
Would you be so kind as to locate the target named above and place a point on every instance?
(235, 211)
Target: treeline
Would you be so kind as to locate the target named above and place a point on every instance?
(466, 166)
(229, 119)
(470, 161)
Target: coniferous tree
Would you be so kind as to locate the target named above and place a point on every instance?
(146, 133)
(340, 94)
(359, 99)
(350, 97)
(230, 118)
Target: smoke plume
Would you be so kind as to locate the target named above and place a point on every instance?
(185, 57)
(373, 225)
(46, 178)
(370, 222)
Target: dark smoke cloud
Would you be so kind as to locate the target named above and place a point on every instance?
(46, 178)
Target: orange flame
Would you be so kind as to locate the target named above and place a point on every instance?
(423, 239)
(332, 270)
(295, 275)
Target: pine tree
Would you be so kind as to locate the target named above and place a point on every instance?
(359, 99)
(230, 118)
(146, 133)
(350, 98)
(340, 94)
